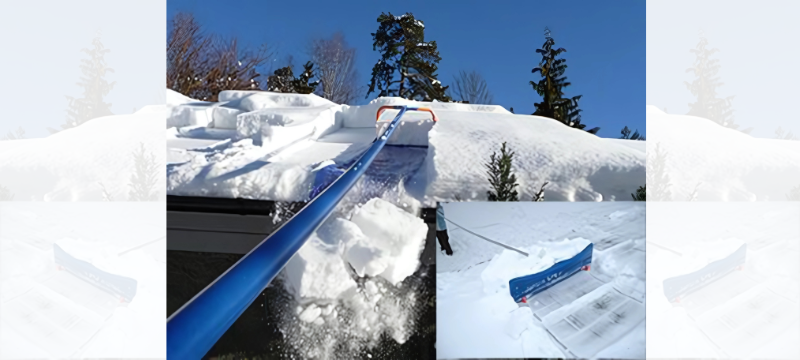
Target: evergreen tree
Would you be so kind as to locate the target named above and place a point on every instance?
(641, 194)
(794, 194)
(95, 88)
(501, 178)
(511, 110)
(707, 105)
(145, 176)
(656, 176)
(781, 134)
(284, 81)
(405, 54)
(626, 134)
(551, 88)
(16, 135)
(540, 195)
(5, 194)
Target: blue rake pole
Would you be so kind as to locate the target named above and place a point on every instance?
(198, 324)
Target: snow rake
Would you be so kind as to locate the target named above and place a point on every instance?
(198, 324)
(523, 287)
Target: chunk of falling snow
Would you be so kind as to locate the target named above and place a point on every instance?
(369, 356)
(311, 313)
(319, 321)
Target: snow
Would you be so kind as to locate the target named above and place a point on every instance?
(747, 313)
(728, 164)
(46, 313)
(578, 165)
(352, 308)
(476, 316)
(78, 163)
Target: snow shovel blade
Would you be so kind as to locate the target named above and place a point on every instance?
(679, 286)
(524, 287)
(412, 130)
(121, 286)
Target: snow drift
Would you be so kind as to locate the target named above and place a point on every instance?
(723, 164)
(257, 130)
(80, 163)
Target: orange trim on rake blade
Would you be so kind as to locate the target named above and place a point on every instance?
(392, 107)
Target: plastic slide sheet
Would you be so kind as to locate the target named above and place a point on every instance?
(589, 327)
(741, 327)
(524, 287)
(714, 294)
(50, 321)
(562, 294)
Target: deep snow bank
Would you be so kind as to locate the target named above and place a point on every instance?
(578, 166)
(76, 164)
(723, 164)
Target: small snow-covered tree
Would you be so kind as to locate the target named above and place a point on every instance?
(284, 81)
(694, 194)
(145, 176)
(405, 54)
(641, 194)
(5, 194)
(794, 194)
(95, 87)
(704, 87)
(656, 176)
(781, 134)
(501, 177)
(539, 196)
(15, 135)
(471, 88)
(551, 87)
(626, 134)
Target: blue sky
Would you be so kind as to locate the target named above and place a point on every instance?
(605, 43)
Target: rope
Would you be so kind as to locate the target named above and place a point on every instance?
(487, 239)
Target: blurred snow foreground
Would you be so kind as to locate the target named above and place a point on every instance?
(288, 147)
(118, 157)
(691, 158)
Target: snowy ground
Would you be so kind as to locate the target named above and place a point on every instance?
(476, 316)
(46, 313)
(270, 146)
(750, 313)
(722, 164)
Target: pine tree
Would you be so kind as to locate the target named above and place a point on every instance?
(540, 195)
(95, 87)
(626, 134)
(781, 134)
(501, 178)
(16, 135)
(145, 176)
(5, 194)
(794, 194)
(641, 194)
(551, 88)
(284, 81)
(406, 54)
(707, 105)
(656, 176)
